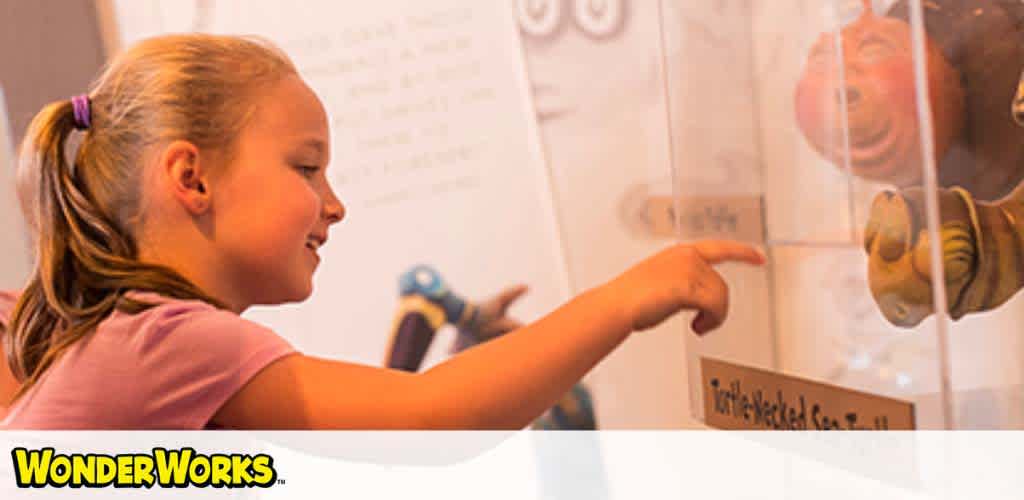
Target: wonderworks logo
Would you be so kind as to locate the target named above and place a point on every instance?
(165, 468)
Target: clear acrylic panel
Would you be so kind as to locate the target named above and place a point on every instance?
(976, 47)
(597, 85)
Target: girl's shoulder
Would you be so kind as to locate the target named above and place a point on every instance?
(193, 355)
(173, 324)
(188, 324)
(164, 308)
(172, 366)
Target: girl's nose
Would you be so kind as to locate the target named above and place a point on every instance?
(334, 210)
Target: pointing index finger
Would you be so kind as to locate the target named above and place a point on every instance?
(719, 251)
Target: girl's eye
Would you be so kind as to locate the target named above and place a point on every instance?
(309, 170)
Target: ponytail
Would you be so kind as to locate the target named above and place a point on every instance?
(84, 262)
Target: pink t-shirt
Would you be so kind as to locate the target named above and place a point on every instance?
(169, 367)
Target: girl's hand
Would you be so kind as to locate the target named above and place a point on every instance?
(680, 277)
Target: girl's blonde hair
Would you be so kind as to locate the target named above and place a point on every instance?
(84, 215)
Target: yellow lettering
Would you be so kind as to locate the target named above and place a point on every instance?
(60, 470)
(84, 468)
(240, 470)
(106, 470)
(33, 467)
(262, 465)
(199, 470)
(124, 470)
(185, 467)
(221, 470)
(144, 470)
(172, 467)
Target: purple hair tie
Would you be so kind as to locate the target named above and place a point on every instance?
(80, 103)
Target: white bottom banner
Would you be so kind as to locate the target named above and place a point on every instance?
(518, 465)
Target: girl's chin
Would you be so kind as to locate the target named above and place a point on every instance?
(305, 292)
(299, 292)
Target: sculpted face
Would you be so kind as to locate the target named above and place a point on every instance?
(878, 87)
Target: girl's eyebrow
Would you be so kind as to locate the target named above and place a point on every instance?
(316, 144)
(318, 147)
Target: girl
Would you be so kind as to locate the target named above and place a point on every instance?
(198, 189)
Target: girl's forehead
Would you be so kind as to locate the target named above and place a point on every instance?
(290, 107)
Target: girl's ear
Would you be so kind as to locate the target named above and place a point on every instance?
(189, 182)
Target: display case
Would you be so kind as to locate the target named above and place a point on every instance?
(871, 149)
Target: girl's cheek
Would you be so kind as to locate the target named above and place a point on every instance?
(312, 205)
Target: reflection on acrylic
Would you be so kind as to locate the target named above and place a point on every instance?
(595, 18)
(564, 40)
(570, 46)
(870, 355)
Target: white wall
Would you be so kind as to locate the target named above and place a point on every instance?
(14, 266)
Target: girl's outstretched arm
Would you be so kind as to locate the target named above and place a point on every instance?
(505, 383)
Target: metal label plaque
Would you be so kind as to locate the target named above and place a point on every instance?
(729, 217)
(743, 398)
